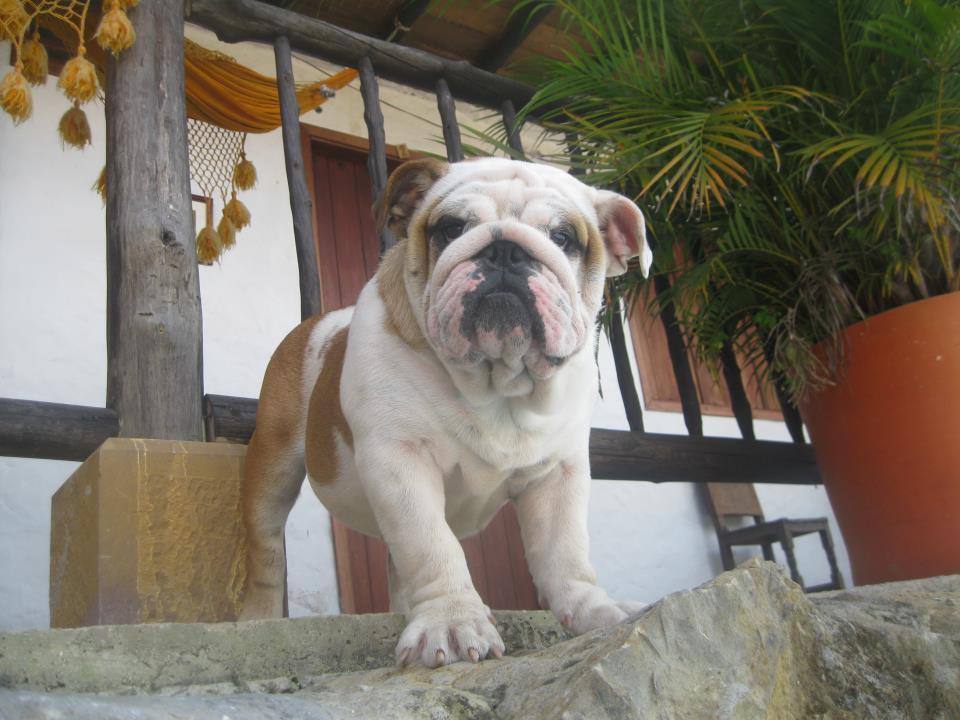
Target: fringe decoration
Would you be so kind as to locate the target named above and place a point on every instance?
(127, 4)
(15, 96)
(115, 32)
(78, 79)
(244, 174)
(35, 61)
(209, 246)
(13, 19)
(74, 128)
(227, 232)
(237, 212)
(100, 185)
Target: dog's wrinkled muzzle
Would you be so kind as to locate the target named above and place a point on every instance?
(504, 302)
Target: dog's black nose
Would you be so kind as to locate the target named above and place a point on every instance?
(503, 253)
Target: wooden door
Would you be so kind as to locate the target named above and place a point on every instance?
(348, 253)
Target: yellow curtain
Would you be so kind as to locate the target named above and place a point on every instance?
(223, 92)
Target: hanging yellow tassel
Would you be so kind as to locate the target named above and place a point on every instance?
(15, 96)
(100, 185)
(237, 212)
(115, 32)
(244, 174)
(227, 232)
(13, 19)
(35, 61)
(209, 246)
(74, 128)
(127, 4)
(78, 79)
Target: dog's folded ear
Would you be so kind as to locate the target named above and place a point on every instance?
(624, 232)
(405, 190)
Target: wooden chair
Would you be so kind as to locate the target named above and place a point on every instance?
(740, 500)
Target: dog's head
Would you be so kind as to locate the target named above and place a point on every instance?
(506, 260)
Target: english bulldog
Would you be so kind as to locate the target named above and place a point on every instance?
(463, 379)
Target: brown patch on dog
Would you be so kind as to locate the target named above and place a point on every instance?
(405, 189)
(421, 255)
(400, 320)
(595, 258)
(325, 414)
(280, 412)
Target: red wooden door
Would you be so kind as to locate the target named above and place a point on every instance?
(348, 253)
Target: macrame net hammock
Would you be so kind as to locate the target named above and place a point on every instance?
(225, 100)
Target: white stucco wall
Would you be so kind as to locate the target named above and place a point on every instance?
(647, 540)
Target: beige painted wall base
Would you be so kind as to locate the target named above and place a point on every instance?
(148, 531)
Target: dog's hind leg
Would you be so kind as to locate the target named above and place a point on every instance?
(272, 481)
(273, 474)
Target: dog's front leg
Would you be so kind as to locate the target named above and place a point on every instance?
(553, 524)
(446, 619)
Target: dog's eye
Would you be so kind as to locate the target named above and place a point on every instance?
(449, 230)
(564, 237)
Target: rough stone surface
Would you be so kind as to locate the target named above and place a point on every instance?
(749, 644)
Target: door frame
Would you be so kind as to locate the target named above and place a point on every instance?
(339, 140)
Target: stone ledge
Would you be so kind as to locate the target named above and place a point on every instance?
(156, 657)
(746, 645)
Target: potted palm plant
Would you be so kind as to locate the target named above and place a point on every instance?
(798, 162)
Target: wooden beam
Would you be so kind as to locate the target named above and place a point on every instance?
(53, 431)
(624, 368)
(229, 418)
(509, 113)
(251, 20)
(519, 27)
(377, 155)
(620, 454)
(738, 396)
(300, 204)
(154, 330)
(448, 118)
(404, 20)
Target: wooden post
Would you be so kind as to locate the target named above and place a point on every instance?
(513, 130)
(154, 329)
(448, 117)
(300, 204)
(689, 402)
(377, 155)
(621, 362)
(738, 396)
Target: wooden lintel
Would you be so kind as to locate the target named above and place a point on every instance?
(620, 454)
(251, 20)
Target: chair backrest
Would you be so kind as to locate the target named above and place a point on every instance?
(732, 500)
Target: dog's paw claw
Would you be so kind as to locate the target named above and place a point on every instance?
(447, 630)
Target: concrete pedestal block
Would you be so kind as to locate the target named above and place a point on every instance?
(149, 531)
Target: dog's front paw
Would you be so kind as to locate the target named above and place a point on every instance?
(448, 629)
(589, 607)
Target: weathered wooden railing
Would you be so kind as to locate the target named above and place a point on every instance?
(47, 430)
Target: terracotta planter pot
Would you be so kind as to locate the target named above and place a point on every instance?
(887, 440)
